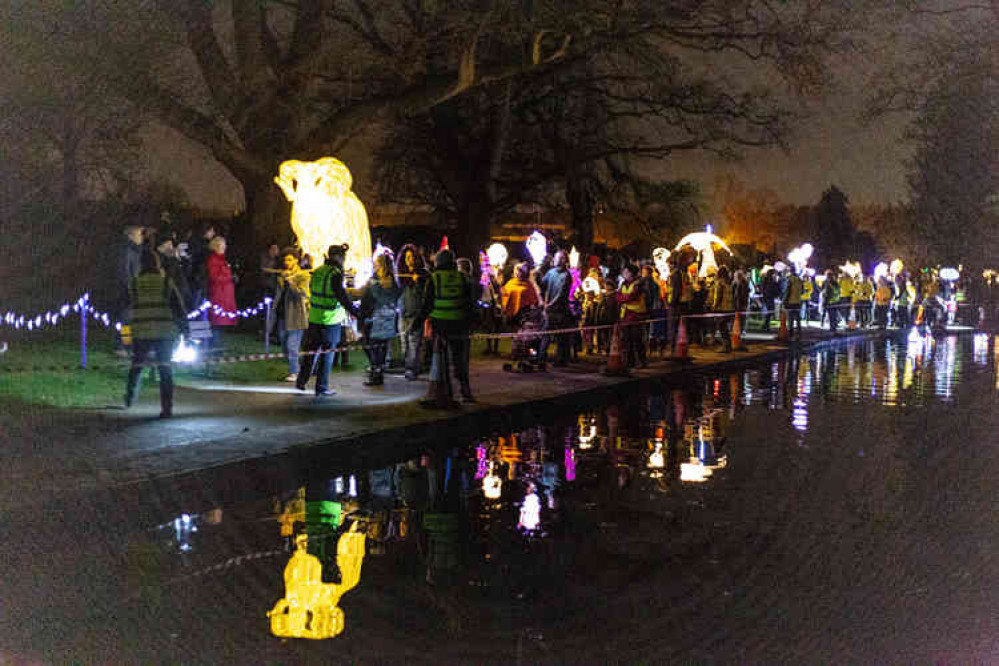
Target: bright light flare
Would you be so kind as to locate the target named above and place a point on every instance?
(800, 255)
(325, 211)
(852, 269)
(497, 255)
(184, 353)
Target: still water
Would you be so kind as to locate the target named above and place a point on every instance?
(831, 507)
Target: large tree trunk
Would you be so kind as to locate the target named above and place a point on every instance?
(581, 204)
(474, 231)
(267, 218)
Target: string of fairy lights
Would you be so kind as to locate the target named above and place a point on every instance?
(83, 306)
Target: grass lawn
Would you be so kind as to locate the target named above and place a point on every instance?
(43, 368)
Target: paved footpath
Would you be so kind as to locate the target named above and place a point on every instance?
(57, 453)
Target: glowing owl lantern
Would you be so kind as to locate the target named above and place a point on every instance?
(325, 211)
(537, 247)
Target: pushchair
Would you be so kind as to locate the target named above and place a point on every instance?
(525, 346)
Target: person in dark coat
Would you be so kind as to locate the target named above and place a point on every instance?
(412, 272)
(129, 260)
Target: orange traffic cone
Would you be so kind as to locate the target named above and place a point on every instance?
(736, 336)
(919, 316)
(615, 364)
(680, 350)
(782, 331)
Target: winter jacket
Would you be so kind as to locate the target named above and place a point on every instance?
(378, 309)
(221, 289)
(722, 299)
(292, 299)
(518, 295)
(555, 289)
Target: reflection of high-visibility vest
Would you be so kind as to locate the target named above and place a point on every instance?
(324, 307)
(636, 306)
(451, 289)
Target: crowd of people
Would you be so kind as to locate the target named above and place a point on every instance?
(420, 307)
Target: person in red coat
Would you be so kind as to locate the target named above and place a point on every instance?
(221, 290)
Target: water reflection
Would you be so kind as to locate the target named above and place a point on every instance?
(515, 518)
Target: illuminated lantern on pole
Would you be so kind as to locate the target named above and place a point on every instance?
(497, 255)
(325, 211)
(660, 256)
(703, 242)
(537, 247)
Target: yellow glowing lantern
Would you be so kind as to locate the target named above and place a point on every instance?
(896, 266)
(309, 607)
(573, 257)
(325, 211)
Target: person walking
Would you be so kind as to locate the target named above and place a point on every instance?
(556, 286)
(723, 305)
(157, 306)
(791, 302)
(863, 297)
(412, 274)
(519, 295)
(882, 302)
(129, 260)
(448, 304)
(379, 315)
(221, 291)
(291, 305)
(589, 293)
(329, 306)
(771, 292)
(740, 298)
(830, 297)
(633, 311)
